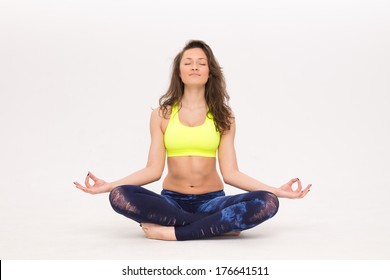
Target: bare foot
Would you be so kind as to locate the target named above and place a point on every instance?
(154, 231)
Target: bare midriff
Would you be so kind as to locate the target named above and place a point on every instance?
(192, 175)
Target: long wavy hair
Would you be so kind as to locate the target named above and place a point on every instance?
(215, 93)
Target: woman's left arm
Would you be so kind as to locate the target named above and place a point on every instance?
(234, 177)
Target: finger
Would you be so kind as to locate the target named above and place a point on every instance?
(305, 191)
(79, 186)
(292, 181)
(87, 184)
(93, 177)
(84, 189)
(299, 189)
(307, 188)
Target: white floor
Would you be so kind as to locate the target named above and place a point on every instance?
(73, 226)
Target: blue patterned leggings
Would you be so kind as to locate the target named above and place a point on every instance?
(195, 216)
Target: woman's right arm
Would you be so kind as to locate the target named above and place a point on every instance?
(152, 171)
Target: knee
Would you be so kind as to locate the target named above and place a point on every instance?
(272, 204)
(116, 197)
(120, 198)
(119, 191)
(268, 205)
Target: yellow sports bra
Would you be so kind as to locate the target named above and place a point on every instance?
(182, 140)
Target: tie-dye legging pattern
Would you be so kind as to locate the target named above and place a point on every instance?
(195, 216)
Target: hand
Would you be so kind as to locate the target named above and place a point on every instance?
(99, 185)
(287, 191)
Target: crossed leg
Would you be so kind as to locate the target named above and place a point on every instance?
(164, 219)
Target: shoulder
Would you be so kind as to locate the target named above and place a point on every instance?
(156, 113)
(155, 116)
(164, 112)
(159, 112)
(160, 118)
(231, 132)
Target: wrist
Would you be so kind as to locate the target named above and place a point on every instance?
(111, 186)
(277, 192)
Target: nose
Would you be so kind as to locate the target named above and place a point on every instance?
(194, 66)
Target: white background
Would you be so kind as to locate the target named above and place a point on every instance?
(309, 85)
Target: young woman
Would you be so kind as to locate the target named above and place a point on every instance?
(192, 123)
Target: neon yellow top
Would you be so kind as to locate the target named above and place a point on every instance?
(182, 140)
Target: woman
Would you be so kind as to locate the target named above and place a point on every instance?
(191, 124)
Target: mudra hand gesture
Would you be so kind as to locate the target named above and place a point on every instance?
(98, 186)
(287, 190)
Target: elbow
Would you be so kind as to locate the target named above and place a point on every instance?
(228, 181)
(228, 177)
(157, 174)
(157, 177)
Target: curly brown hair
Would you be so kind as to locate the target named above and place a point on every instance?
(216, 94)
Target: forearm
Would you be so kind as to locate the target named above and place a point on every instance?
(141, 177)
(247, 183)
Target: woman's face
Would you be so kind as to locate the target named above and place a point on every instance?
(194, 68)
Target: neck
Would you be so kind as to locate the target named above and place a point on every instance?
(194, 97)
